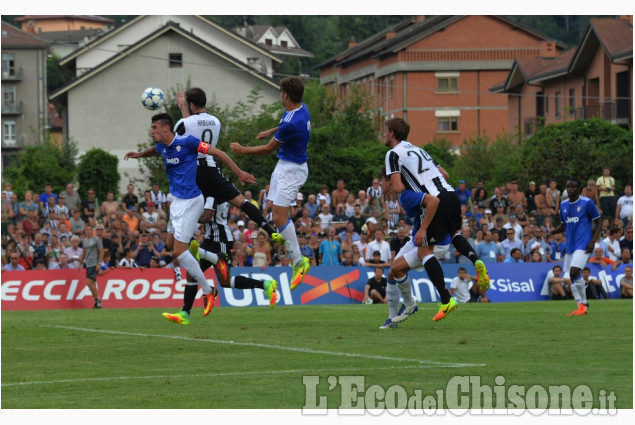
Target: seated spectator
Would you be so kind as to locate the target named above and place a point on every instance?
(347, 259)
(131, 218)
(375, 289)
(558, 247)
(515, 256)
(508, 244)
(305, 248)
(465, 288)
(594, 288)
(487, 250)
(559, 286)
(128, 262)
(625, 258)
(104, 266)
(599, 258)
(626, 283)
(62, 264)
(14, 258)
(536, 257)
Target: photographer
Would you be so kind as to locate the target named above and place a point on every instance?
(144, 251)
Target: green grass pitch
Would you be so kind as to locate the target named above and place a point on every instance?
(256, 357)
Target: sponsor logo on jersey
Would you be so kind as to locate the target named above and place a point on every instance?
(172, 160)
(572, 219)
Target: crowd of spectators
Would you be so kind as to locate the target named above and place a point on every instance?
(348, 227)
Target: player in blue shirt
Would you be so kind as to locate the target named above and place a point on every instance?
(577, 216)
(421, 207)
(291, 139)
(180, 160)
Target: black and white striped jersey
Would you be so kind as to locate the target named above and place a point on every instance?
(217, 229)
(204, 127)
(419, 172)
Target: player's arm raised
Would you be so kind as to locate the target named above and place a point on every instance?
(243, 176)
(266, 149)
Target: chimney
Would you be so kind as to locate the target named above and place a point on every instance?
(548, 50)
(421, 18)
(390, 34)
(352, 43)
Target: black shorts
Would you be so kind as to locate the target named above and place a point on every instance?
(447, 218)
(91, 273)
(217, 247)
(215, 185)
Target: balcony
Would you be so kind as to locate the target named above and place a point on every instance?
(13, 108)
(531, 124)
(611, 111)
(12, 74)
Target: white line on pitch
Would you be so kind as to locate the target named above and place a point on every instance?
(205, 375)
(278, 347)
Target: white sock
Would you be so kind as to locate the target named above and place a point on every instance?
(392, 294)
(581, 288)
(231, 282)
(291, 242)
(207, 255)
(405, 286)
(194, 269)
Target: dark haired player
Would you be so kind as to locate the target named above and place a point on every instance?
(410, 167)
(180, 158)
(291, 139)
(577, 215)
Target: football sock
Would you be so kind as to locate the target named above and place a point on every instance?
(254, 213)
(463, 246)
(291, 241)
(242, 282)
(435, 273)
(194, 269)
(189, 294)
(405, 287)
(207, 255)
(579, 286)
(392, 294)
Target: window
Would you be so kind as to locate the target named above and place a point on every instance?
(8, 64)
(268, 42)
(9, 133)
(391, 87)
(558, 105)
(546, 104)
(447, 124)
(284, 43)
(571, 102)
(176, 60)
(8, 97)
(447, 82)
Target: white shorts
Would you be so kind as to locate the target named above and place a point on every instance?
(184, 215)
(286, 180)
(409, 252)
(577, 259)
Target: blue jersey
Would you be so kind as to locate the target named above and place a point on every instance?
(180, 160)
(412, 203)
(293, 134)
(577, 218)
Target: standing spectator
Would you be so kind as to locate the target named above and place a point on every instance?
(544, 205)
(150, 220)
(305, 248)
(39, 249)
(45, 197)
(375, 290)
(357, 219)
(367, 209)
(90, 207)
(554, 194)
(606, 192)
(262, 197)
(558, 247)
(508, 244)
(392, 209)
(515, 197)
(543, 245)
(61, 207)
(77, 224)
(131, 219)
(398, 242)
(8, 214)
(92, 255)
(129, 199)
(312, 206)
(74, 252)
(158, 198)
(499, 200)
(464, 195)
(374, 192)
(465, 289)
(330, 249)
(612, 243)
(325, 216)
(513, 224)
(530, 195)
(8, 190)
(143, 205)
(487, 250)
(627, 240)
(73, 201)
(626, 283)
(54, 251)
(624, 209)
(590, 191)
(338, 196)
(109, 206)
(323, 197)
(479, 195)
(261, 252)
(240, 230)
(379, 244)
(144, 250)
(27, 205)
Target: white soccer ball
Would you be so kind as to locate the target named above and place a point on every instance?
(152, 98)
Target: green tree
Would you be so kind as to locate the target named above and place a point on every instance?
(54, 76)
(42, 163)
(97, 169)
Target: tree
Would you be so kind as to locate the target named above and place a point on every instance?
(42, 163)
(97, 169)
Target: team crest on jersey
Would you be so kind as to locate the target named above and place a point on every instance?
(178, 149)
(579, 209)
